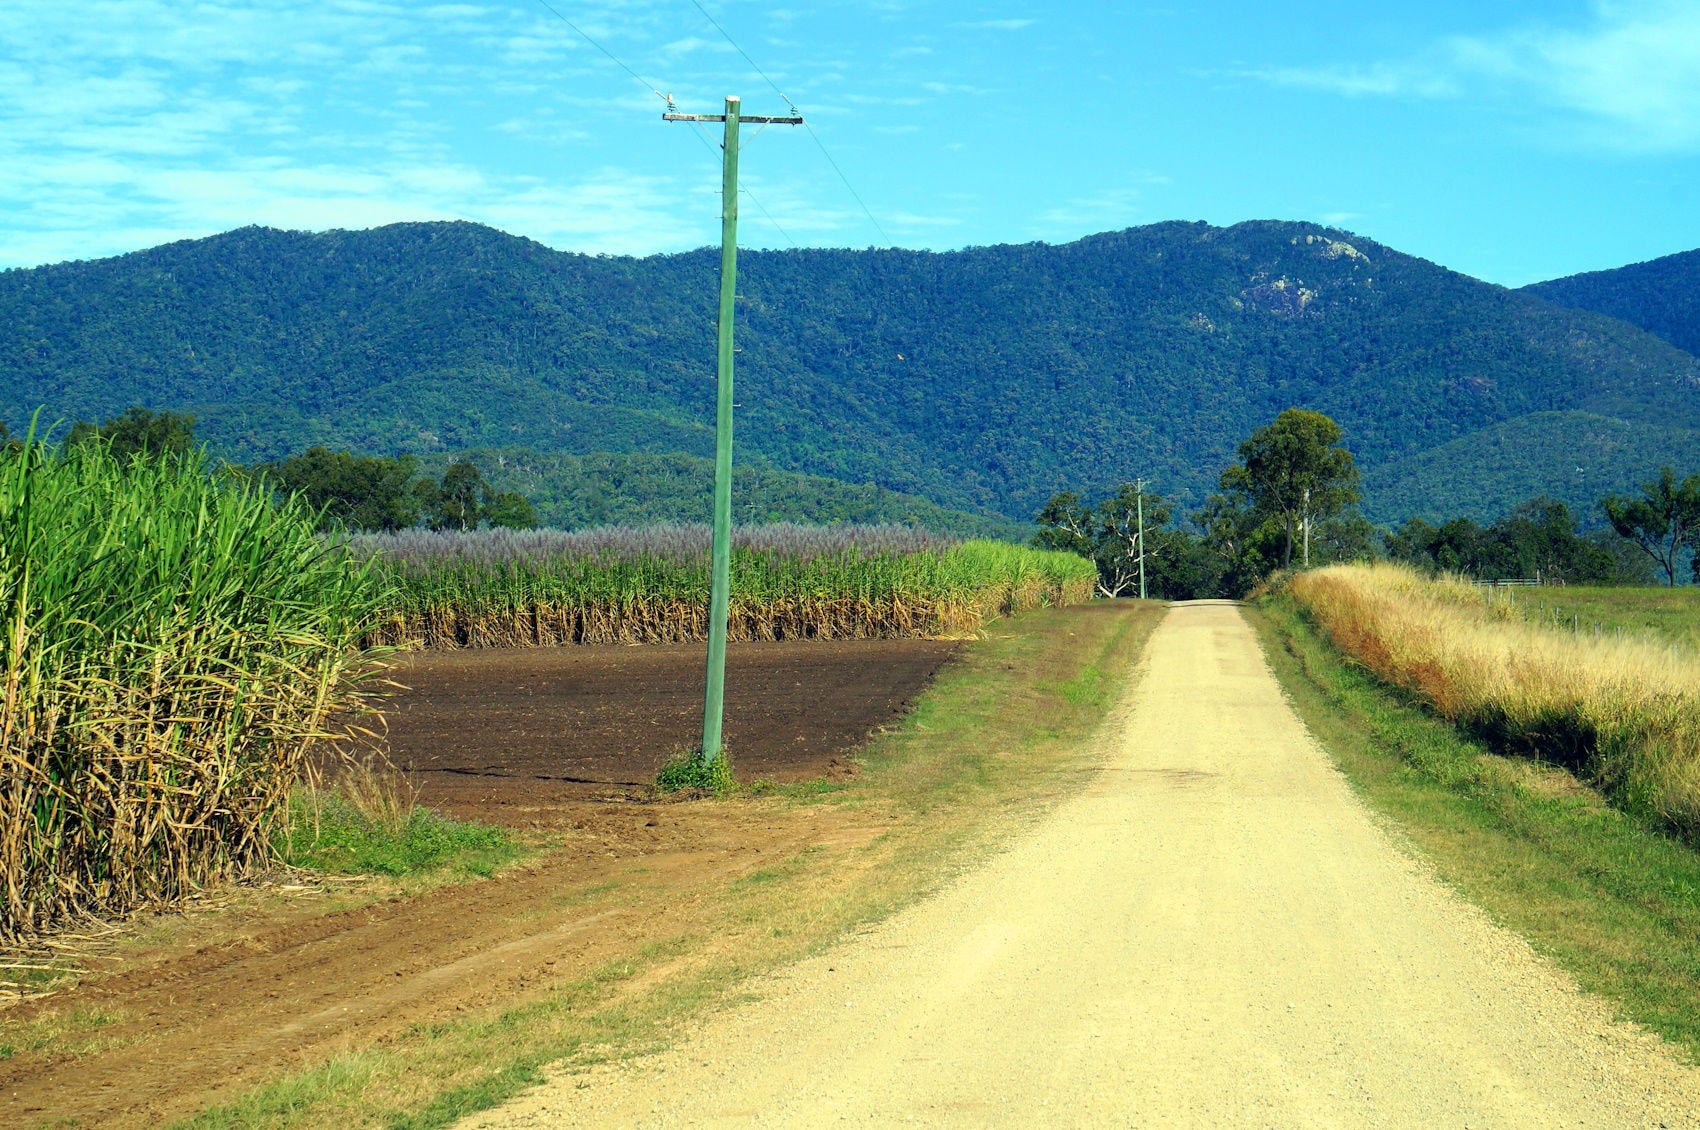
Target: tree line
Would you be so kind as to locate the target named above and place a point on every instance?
(354, 492)
(1292, 496)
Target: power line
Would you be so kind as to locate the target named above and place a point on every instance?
(744, 53)
(584, 35)
(760, 207)
(852, 188)
(819, 144)
(702, 134)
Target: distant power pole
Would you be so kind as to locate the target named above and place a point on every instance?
(1305, 524)
(720, 591)
(1139, 502)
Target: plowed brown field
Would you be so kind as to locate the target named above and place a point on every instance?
(508, 735)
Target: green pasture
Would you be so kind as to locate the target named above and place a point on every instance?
(1669, 614)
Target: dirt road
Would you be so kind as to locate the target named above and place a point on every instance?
(1217, 933)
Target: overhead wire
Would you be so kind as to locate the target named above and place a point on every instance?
(819, 144)
(848, 186)
(584, 35)
(762, 208)
(728, 37)
(701, 133)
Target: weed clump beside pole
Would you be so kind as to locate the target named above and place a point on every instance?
(689, 771)
(1622, 713)
(172, 646)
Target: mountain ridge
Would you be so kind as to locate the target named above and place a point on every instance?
(1579, 457)
(982, 379)
(1661, 296)
(601, 489)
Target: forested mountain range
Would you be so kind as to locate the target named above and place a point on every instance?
(1579, 457)
(982, 379)
(1662, 296)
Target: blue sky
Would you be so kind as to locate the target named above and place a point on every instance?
(1514, 141)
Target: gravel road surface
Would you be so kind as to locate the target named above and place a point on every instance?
(1216, 933)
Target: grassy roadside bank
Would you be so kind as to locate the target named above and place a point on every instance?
(335, 843)
(1003, 734)
(1610, 899)
(1622, 714)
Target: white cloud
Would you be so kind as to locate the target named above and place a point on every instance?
(690, 45)
(611, 209)
(125, 123)
(798, 212)
(543, 129)
(881, 100)
(1373, 80)
(918, 220)
(1629, 79)
(1637, 72)
(1110, 208)
(1000, 25)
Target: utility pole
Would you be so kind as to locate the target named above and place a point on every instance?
(1139, 502)
(720, 587)
(1306, 525)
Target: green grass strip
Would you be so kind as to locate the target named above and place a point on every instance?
(1668, 614)
(329, 833)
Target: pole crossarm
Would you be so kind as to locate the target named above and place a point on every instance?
(760, 119)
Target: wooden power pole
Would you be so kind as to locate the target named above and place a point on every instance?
(720, 592)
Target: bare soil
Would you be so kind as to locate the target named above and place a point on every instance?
(507, 735)
(561, 742)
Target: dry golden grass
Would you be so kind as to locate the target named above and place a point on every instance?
(1624, 713)
(378, 793)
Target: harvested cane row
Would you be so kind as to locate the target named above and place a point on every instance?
(172, 646)
(652, 586)
(645, 622)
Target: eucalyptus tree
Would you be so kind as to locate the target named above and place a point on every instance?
(1296, 472)
(1129, 525)
(1663, 522)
